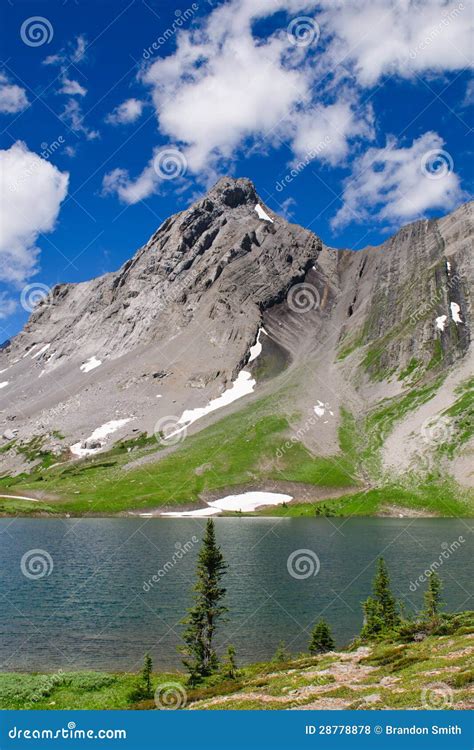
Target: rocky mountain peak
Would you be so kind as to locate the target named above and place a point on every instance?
(233, 192)
(177, 322)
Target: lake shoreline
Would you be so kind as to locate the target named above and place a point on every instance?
(373, 675)
(303, 499)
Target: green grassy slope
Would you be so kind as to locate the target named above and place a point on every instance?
(249, 447)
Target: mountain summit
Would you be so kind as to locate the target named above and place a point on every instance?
(228, 303)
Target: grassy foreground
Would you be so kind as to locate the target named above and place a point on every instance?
(434, 672)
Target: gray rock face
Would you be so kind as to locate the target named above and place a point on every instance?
(172, 328)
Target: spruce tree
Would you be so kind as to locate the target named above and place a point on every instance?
(229, 668)
(433, 597)
(146, 676)
(384, 596)
(281, 654)
(380, 610)
(143, 688)
(199, 655)
(321, 639)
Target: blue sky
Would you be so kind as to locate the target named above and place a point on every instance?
(351, 118)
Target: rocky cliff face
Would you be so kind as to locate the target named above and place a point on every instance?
(172, 329)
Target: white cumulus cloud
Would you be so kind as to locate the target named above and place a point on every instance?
(400, 183)
(127, 112)
(398, 37)
(234, 84)
(13, 98)
(7, 305)
(74, 117)
(71, 87)
(32, 191)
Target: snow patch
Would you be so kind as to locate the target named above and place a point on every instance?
(247, 501)
(256, 349)
(242, 386)
(455, 310)
(321, 408)
(21, 497)
(91, 364)
(99, 435)
(441, 322)
(262, 214)
(4, 384)
(41, 351)
(191, 513)
(448, 266)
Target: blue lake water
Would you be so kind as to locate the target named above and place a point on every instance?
(95, 610)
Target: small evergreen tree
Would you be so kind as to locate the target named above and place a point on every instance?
(380, 610)
(433, 597)
(199, 656)
(373, 623)
(384, 596)
(321, 639)
(281, 654)
(229, 668)
(143, 688)
(146, 676)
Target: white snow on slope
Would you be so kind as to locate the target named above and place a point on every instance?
(21, 497)
(100, 434)
(190, 513)
(91, 364)
(247, 501)
(455, 310)
(321, 408)
(262, 214)
(242, 386)
(41, 351)
(5, 383)
(256, 349)
(441, 322)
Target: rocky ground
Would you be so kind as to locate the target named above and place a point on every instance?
(435, 672)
